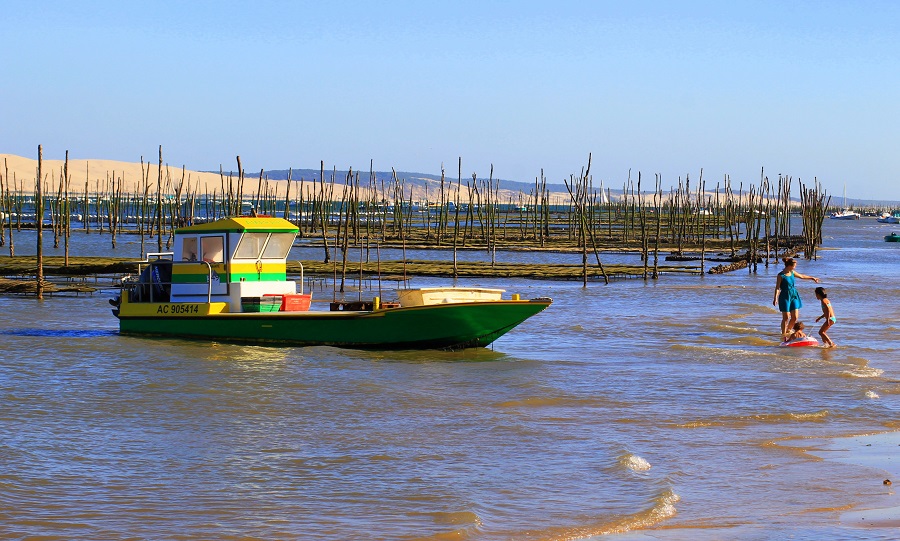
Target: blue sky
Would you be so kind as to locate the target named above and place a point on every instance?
(806, 89)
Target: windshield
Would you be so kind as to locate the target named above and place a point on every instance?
(250, 245)
(279, 245)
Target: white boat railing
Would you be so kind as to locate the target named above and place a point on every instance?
(208, 281)
(171, 255)
(301, 276)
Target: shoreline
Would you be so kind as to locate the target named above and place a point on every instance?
(877, 452)
(878, 505)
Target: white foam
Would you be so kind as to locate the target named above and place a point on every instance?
(634, 463)
(872, 394)
(663, 508)
(864, 372)
(667, 503)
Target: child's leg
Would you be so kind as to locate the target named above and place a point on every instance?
(825, 337)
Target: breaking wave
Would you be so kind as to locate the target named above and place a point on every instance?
(634, 463)
(662, 508)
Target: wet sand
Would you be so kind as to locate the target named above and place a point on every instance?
(881, 454)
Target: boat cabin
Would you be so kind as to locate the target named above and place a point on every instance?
(232, 260)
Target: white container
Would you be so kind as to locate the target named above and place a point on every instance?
(424, 296)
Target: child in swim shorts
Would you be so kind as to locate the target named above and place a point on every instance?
(827, 315)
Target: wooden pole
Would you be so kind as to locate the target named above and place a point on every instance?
(159, 218)
(66, 212)
(323, 212)
(456, 218)
(657, 197)
(702, 218)
(38, 224)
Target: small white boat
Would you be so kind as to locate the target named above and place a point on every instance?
(845, 213)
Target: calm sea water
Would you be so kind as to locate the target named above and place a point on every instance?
(659, 408)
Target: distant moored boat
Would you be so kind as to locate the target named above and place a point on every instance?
(845, 213)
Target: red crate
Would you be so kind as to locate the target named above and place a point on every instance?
(296, 303)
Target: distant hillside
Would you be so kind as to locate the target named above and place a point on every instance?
(421, 181)
(413, 179)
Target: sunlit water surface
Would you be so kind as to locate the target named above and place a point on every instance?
(659, 407)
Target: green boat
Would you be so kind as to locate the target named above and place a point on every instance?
(227, 281)
(893, 237)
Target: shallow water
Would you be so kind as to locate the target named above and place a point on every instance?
(622, 408)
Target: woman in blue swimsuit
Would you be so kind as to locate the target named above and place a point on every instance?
(786, 296)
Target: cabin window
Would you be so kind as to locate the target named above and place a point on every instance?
(189, 249)
(250, 245)
(213, 249)
(279, 245)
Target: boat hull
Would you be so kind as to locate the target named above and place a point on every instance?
(842, 216)
(444, 326)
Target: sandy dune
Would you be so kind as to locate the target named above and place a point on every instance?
(97, 172)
